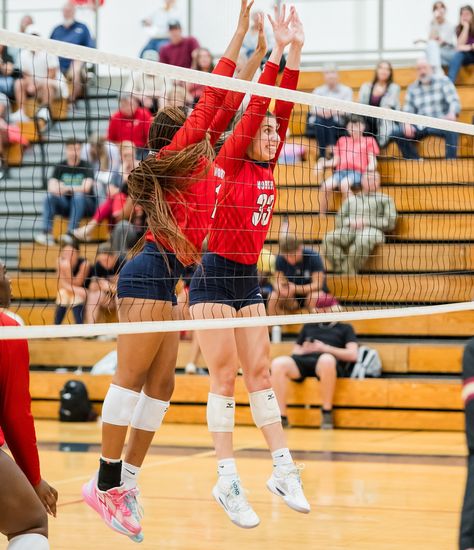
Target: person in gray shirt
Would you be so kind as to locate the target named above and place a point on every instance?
(326, 125)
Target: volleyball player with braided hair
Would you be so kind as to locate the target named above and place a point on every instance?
(172, 187)
(226, 285)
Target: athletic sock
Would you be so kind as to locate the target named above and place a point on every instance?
(130, 475)
(227, 469)
(282, 457)
(28, 542)
(110, 473)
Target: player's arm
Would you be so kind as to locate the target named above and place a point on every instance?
(290, 79)
(81, 276)
(197, 124)
(233, 100)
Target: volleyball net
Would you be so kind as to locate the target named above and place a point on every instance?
(372, 216)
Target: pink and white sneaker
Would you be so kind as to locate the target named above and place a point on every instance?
(113, 507)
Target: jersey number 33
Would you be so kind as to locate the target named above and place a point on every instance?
(265, 208)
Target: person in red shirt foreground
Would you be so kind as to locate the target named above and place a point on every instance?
(130, 123)
(24, 496)
(226, 284)
(354, 155)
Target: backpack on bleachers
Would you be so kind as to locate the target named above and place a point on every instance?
(368, 364)
(75, 405)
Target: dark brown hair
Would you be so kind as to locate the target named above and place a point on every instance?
(471, 26)
(158, 176)
(390, 77)
(436, 4)
(198, 67)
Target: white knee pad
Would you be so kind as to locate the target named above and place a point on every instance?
(149, 413)
(31, 541)
(220, 413)
(119, 404)
(264, 407)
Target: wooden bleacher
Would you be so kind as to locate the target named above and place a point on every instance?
(428, 259)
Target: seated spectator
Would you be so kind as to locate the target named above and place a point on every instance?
(70, 193)
(102, 286)
(41, 77)
(299, 280)
(203, 62)
(104, 158)
(4, 138)
(129, 228)
(112, 203)
(353, 156)
(465, 43)
(381, 92)
(266, 271)
(441, 45)
(430, 95)
(179, 51)
(9, 81)
(157, 23)
(25, 22)
(177, 96)
(72, 272)
(250, 42)
(322, 350)
(130, 123)
(149, 89)
(361, 224)
(325, 125)
(73, 32)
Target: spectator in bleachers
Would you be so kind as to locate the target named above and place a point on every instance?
(430, 95)
(72, 273)
(465, 43)
(101, 154)
(177, 96)
(299, 280)
(102, 286)
(130, 123)
(25, 22)
(4, 138)
(441, 45)
(354, 155)
(41, 77)
(73, 32)
(326, 351)
(157, 23)
(9, 82)
(149, 89)
(361, 224)
(70, 193)
(204, 62)
(112, 202)
(325, 125)
(381, 92)
(179, 51)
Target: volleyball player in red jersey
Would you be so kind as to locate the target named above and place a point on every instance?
(226, 284)
(24, 496)
(173, 188)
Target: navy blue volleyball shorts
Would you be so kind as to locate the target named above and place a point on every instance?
(221, 281)
(147, 276)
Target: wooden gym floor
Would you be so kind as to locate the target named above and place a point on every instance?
(368, 490)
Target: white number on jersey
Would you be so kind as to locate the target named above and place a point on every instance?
(218, 188)
(265, 203)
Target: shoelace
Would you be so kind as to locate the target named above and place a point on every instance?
(131, 499)
(119, 500)
(293, 478)
(236, 498)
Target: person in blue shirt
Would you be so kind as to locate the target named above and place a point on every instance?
(300, 279)
(77, 33)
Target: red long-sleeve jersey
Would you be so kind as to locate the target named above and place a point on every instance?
(192, 210)
(16, 421)
(246, 188)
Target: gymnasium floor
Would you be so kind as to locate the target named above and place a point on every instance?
(368, 490)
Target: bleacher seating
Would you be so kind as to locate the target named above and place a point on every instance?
(429, 258)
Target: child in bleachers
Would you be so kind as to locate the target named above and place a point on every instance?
(72, 272)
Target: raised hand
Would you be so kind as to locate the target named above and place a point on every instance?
(262, 45)
(244, 17)
(281, 27)
(297, 28)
